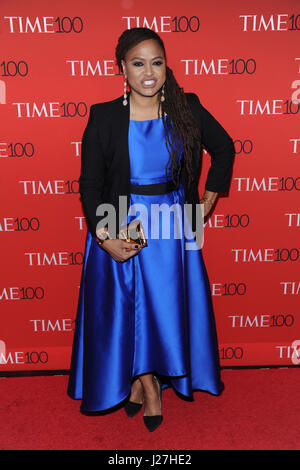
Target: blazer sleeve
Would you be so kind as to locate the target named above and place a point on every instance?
(220, 147)
(91, 180)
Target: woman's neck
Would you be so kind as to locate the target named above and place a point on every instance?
(143, 107)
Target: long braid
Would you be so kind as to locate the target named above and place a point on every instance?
(181, 123)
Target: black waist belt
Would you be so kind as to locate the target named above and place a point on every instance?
(152, 189)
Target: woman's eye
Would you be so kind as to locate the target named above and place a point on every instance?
(140, 64)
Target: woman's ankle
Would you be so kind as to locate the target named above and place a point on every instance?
(137, 392)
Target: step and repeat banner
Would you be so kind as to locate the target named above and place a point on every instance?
(243, 61)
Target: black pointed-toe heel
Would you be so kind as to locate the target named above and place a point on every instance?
(132, 408)
(152, 422)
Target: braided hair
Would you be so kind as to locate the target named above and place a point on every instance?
(181, 129)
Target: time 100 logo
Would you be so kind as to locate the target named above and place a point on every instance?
(165, 24)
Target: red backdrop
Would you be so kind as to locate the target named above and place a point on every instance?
(242, 59)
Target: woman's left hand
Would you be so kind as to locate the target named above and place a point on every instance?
(208, 199)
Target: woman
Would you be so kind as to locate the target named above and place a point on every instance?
(145, 320)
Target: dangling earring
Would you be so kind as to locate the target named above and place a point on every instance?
(162, 98)
(125, 93)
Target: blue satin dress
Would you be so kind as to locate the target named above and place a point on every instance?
(151, 313)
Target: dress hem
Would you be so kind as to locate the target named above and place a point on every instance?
(164, 386)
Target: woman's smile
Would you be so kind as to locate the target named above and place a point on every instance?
(149, 83)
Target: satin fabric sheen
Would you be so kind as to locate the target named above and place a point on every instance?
(151, 313)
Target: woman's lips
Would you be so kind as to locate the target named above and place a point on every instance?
(149, 83)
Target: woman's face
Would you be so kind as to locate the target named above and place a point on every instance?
(145, 68)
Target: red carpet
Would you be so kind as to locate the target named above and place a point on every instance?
(259, 409)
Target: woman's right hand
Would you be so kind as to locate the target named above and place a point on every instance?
(119, 249)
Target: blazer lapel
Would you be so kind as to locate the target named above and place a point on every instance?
(121, 127)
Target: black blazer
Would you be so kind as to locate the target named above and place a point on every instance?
(105, 164)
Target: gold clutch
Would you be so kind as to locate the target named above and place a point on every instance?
(133, 233)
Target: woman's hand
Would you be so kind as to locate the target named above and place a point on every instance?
(208, 199)
(119, 249)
